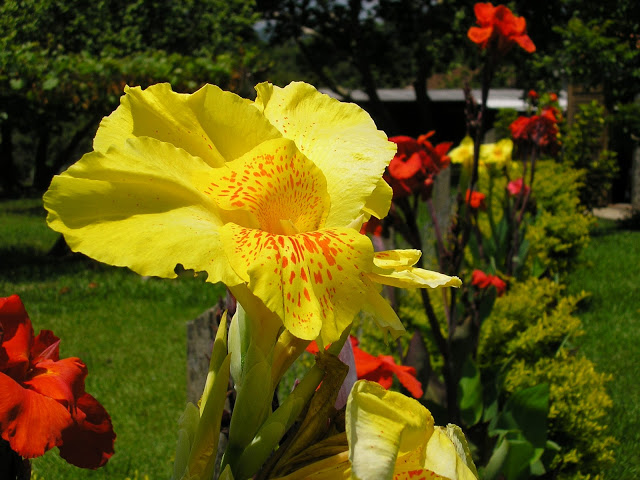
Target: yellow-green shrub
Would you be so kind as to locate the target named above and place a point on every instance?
(578, 404)
(527, 334)
(560, 230)
(531, 321)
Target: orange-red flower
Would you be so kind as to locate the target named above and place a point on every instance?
(42, 399)
(416, 164)
(533, 95)
(475, 199)
(541, 130)
(380, 369)
(372, 226)
(484, 281)
(499, 28)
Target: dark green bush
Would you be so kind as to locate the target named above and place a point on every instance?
(584, 148)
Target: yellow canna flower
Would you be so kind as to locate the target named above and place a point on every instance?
(266, 196)
(463, 153)
(498, 153)
(392, 436)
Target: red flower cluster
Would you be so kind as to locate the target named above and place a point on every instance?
(372, 226)
(475, 199)
(515, 187)
(533, 95)
(541, 130)
(380, 369)
(484, 281)
(499, 28)
(416, 164)
(42, 399)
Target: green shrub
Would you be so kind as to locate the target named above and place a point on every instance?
(504, 118)
(579, 403)
(584, 148)
(527, 336)
(533, 320)
(560, 230)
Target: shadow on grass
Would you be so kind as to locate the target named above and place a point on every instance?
(26, 263)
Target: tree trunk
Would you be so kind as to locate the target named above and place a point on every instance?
(64, 156)
(358, 48)
(42, 175)
(7, 166)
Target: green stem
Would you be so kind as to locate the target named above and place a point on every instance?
(280, 421)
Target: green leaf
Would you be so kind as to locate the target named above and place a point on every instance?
(510, 461)
(16, 83)
(50, 83)
(486, 304)
(470, 393)
(526, 412)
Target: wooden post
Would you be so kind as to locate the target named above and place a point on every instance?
(201, 332)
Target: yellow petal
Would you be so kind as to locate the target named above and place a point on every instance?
(499, 152)
(463, 153)
(276, 184)
(311, 280)
(340, 138)
(444, 457)
(396, 259)
(381, 425)
(414, 278)
(336, 467)
(136, 206)
(394, 268)
(381, 311)
(379, 202)
(212, 124)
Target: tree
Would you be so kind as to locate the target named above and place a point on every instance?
(63, 65)
(373, 44)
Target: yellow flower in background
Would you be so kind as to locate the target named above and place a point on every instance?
(392, 436)
(266, 196)
(463, 153)
(496, 154)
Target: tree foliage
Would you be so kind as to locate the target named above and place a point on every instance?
(64, 64)
(372, 44)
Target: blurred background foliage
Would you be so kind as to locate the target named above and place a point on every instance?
(63, 64)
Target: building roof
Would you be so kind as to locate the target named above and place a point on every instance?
(498, 98)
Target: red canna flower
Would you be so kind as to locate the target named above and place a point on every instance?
(484, 281)
(42, 399)
(533, 95)
(475, 199)
(541, 130)
(380, 369)
(515, 187)
(500, 28)
(553, 97)
(416, 164)
(372, 226)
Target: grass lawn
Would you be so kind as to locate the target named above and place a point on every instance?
(130, 332)
(610, 271)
